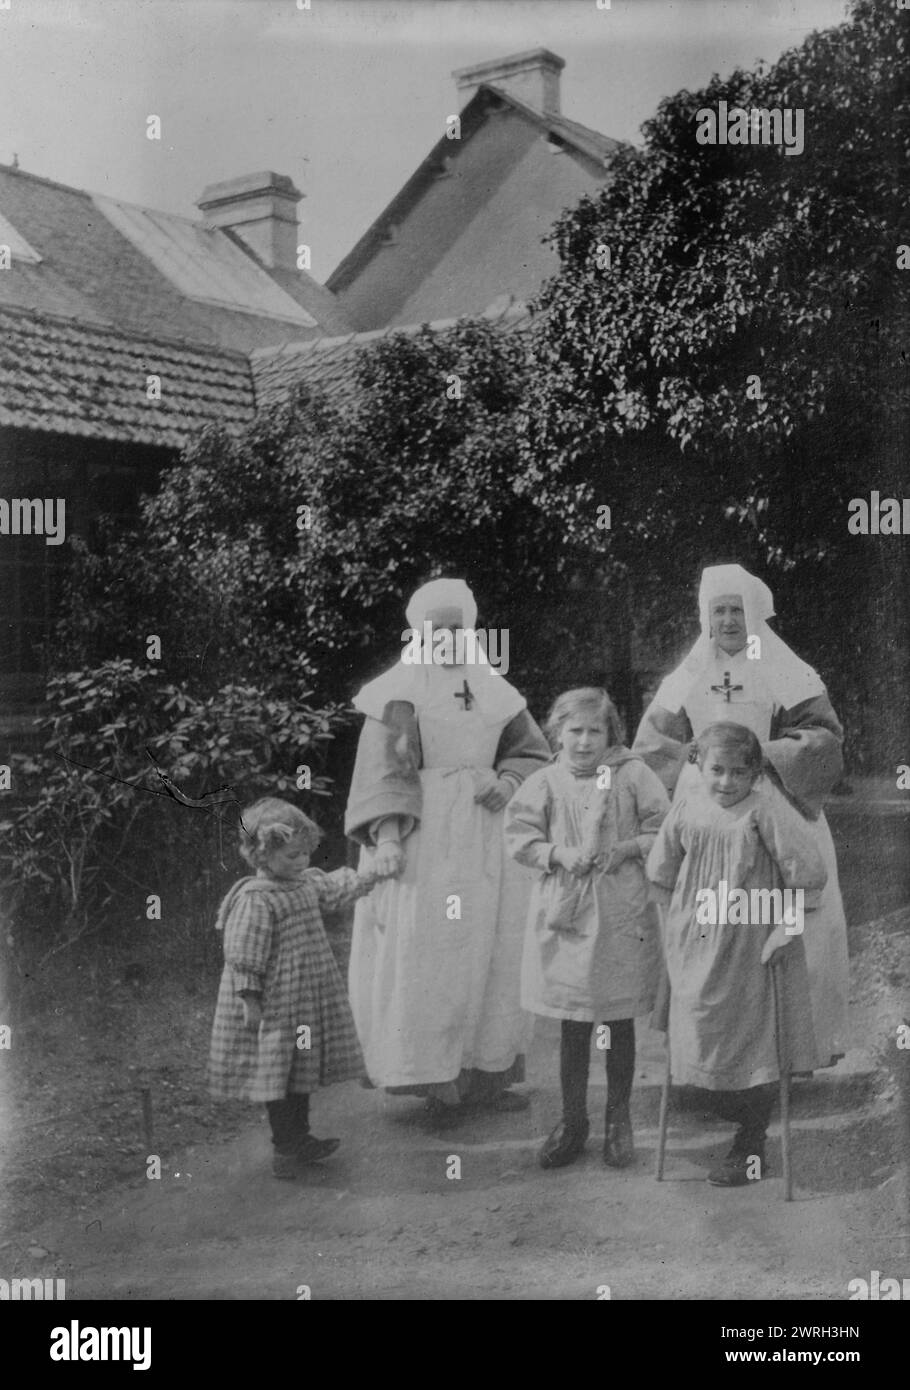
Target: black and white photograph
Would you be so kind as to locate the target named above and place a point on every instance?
(454, 605)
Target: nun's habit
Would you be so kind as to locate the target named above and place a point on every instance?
(436, 954)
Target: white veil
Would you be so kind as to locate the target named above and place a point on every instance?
(790, 679)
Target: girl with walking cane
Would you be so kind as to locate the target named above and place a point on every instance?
(724, 859)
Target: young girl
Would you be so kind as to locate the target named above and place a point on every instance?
(585, 822)
(282, 1022)
(723, 834)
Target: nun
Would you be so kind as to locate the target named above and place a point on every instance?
(436, 951)
(739, 670)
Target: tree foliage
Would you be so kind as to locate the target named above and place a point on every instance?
(729, 263)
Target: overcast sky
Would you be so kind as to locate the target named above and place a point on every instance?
(346, 97)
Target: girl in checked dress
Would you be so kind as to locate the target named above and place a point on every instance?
(283, 1026)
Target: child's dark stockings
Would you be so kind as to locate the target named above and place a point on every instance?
(574, 1057)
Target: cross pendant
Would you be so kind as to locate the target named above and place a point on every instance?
(464, 694)
(726, 689)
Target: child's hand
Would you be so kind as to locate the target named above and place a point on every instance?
(252, 1013)
(388, 860)
(775, 942)
(496, 794)
(623, 850)
(573, 861)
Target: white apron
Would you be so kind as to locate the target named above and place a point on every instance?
(436, 954)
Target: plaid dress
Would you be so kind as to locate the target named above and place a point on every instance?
(275, 943)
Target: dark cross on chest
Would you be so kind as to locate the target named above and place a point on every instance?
(464, 694)
(726, 689)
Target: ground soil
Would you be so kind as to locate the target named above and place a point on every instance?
(384, 1218)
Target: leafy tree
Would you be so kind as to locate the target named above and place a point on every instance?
(727, 263)
(96, 829)
(286, 556)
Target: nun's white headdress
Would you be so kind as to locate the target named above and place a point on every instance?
(406, 680)
(790, 679)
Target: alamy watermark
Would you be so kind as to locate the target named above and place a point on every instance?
(80, 1343)
(752, 907)
(757, 125)
(34, 516)
(28, 1290)
(460, 646)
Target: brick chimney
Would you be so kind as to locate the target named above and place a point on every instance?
(262, 210)
(533, 77)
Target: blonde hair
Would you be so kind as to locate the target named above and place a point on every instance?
(270, 823)
(585, 697)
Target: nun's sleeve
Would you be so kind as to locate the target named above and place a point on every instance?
(663, 742)
(804, 753)
(792, 845)
(522, 749)
(386, 779)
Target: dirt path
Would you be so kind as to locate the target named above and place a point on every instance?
(382, 1220)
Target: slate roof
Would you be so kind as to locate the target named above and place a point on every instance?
(64, 377)
(150, 273)
(329, 363)
(590, 144)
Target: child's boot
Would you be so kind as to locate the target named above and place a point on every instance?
(312, 1150)
(744, 1163)
(564, 1144)
(619, 1148)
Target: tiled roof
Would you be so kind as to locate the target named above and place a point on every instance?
(100, 272)
(64, 377)
(329, 363)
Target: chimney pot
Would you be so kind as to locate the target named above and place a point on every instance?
(261, 209)
(532, 77)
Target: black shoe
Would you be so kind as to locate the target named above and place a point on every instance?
(312, 1150)
(619, 1150)
(438, 1115)
(563, 1145)
(739, 1168)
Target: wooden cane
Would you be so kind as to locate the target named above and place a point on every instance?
(662, 1122)
(660, 1022)
(783, 1065)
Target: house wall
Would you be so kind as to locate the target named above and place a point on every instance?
(476, 232)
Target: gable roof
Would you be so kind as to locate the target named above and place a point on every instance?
(148, 272)
(70, 378)
(595, 149)
(331, 363)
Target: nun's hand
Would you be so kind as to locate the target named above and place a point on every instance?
(388, 860)
(496, 795)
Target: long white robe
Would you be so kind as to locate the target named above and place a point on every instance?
(436, 954)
